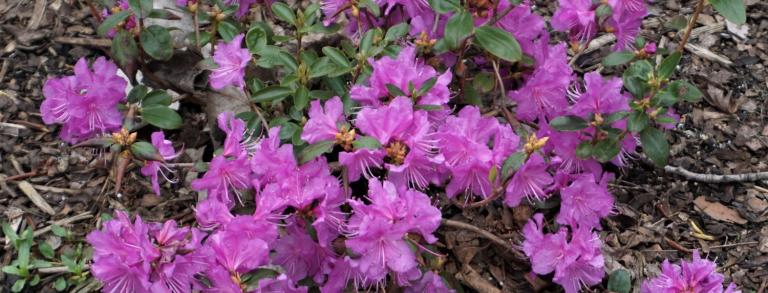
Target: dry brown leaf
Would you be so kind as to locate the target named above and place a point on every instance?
(718, 211)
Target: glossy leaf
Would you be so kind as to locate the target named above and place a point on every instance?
(284, 12)
(668, 65)
(732, 10)
(618, 58)
(271, 93)
(314, 150)
(655, 145)
(156, 42)
(568, 123)
(161, 116)
(498, 42)
(112, 21)
(458, 27)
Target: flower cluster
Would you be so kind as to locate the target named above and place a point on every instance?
(85, 103)
(698, 275)
(582, 19)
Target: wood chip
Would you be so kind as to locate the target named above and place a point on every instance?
(36, 198)
(718, 211)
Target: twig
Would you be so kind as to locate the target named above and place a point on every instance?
(38, 200)
(84, 41)
(19, 176)
(699, 8)
(713, 178)
(62, 222)
(676, 245)
(55, 270)
(484, 234)
(734, 244)
(473, 279)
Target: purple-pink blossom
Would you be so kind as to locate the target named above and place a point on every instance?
(696, 275)
(544, 93)
(323, 123)
(530, 181)
(86, 103)
(153, 168)
(231, 59)
(585, 201)
(225, 177)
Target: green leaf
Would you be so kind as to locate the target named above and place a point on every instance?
(157, 97)
(161, 14)
(60, 284)
(606, 149)
(668, 65)
(584, 150)
(141, 7)
(314, 150)
(568, 123)
(396, 32)
(366, 43)
(685, 90)
(395, 91)
(426, 86)
(156, 42)
(637, 121)
(655, 145)
(337, 56)
(444, 6)
(301, 98)
(137, 93)
(366, 142)
(227, 30)
(10, 233)
(35, 280)
(112, 21)
(161, 116)
(620, 281)
(46, 250)
(256, 39)
(124, 48)
(283, 12)
(483, 82)
(60, 231)
(618, 58)
(459, 26)
(609, 119)
(372, 7)
(143, 150)
(511, 164)
(732, 10)
(664, 98)
(11, 270)
(677, 23)
(498, 42)
(19, 285)
(69, 263)
(636, 78)
(271, 93)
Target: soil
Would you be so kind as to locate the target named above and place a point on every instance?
(657, 214)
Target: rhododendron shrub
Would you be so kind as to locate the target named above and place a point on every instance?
(337, 174)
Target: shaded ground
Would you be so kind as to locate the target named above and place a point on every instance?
(656, 212)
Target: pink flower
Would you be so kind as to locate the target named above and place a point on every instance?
(152, 168)
(323, 121)
(577, 17)
(299, 254)
(360, 161)
(429, 282)
(224, 177)
(280, 283)
(235, 130)
(231, 254)
(585, 202)
(122, 255)
(232, 60)
(403, 72)
(600, 97)
(544, 92)
(212, 214)
(86, 103)
(270, 161)
(525, 25)
(531, 181)
(698, 275)
(576, 263)
(625, 23)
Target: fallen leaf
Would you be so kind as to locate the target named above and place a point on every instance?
(718, 211)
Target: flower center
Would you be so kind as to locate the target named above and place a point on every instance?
(397, 151)
(344, 137)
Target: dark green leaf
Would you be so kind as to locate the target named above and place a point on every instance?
(251, 279)
(256, 39)
(137, 93)
(337, 56)
(288, 60)
(283, 12)
(271, 93)
(429, 107)
(143, 150)
(655, 145)
(637, 121)
(157, 97)
(161, 116)
(227, 30)
(396, 32)
(606, 149)
(668, 65)
(395, 91)
(141, 7)
(459, 26)
(366, 43)
(372, 7)
(685, 90)
(603, 11)
(366, 142)
(664, 98)
(483, 82)
(584, 150)
(124, 48)
(322, 67)
(426, 86)
(444, 6)
(568, 123)
(112, 21)
(156, 42)
(161, 14)
(301, 98)
(618, 58)
(609, 119)
(314, 150)
(498, 42)
(46, 250)
(677, 23)
(620, 281)
(732, 10)
(512, 164)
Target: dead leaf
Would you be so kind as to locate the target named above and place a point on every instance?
(718, 211)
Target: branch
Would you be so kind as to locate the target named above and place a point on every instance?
(699, 8)
(713, 178)
(484, 234)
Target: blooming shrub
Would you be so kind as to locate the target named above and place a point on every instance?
(407, 105)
